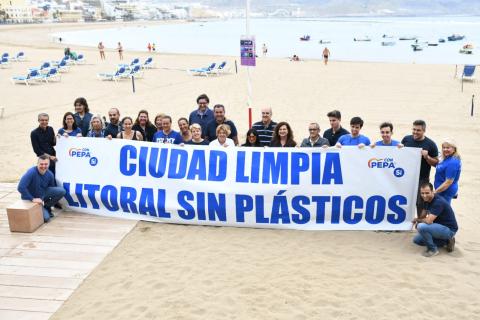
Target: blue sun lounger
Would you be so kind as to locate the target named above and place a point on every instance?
(32, 77)
(202, 71)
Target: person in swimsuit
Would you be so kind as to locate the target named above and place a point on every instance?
(101, 49)
(120, 51)
(127, 132)
(326, 54)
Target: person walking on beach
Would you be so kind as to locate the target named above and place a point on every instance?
(120, 51)
(149, 47)
(153, 47)
(101, 49)
(326, 54)
(38, 185)
(437, 224)
(264, 50)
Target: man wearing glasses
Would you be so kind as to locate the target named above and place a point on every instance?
(429, 154)
(265, 127)
(202, 115)
(314, 140)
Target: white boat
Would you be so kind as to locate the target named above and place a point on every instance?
(388, 43)
(417, 47)
(467, 49)
(362, 39)
(324, 41)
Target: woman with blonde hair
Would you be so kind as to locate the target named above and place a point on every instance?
(197, 139)
(448, 171)
(223, 131)
(97, 128)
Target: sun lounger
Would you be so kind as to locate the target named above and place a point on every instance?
(221, 68)
(4, 63)
(148, 64)
(119, 74)
(52, 75)
(19, 57)
(32, 77)
(202, 71)
(80, 59)
(136, 71)
(468, 73)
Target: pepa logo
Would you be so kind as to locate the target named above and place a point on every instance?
(79, 153)
(381, 163)
(386, 163)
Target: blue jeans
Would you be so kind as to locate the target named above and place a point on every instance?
(432, 235)
(52, 195)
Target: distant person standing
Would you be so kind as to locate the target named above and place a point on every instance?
(153, 47)
(264, 50)
(326, 54)
(101, 49)
(149, 47)
(120, 51)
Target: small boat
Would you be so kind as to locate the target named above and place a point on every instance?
(362, 39)
(432, 44)
(387, 36)
(388, 43)
(407, 38)
(455, 37)
(467, 49)
(305, 38)
(441, 40)
(324, 41)
(417, 47)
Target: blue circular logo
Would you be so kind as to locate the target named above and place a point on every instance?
(93, 161)
(398, 172)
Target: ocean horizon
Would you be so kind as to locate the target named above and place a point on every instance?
(282, 37)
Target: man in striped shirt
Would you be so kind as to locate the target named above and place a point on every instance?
(265, 127)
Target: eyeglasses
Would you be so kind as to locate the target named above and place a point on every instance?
(252, 136)
(384, 132)
(267, 113)
(312, 129)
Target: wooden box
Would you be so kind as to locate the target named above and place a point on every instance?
(24, 216)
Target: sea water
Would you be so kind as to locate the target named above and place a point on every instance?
(282, 37)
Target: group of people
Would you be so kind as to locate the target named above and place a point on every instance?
(101, 50)
(210, 126)
(151, 47)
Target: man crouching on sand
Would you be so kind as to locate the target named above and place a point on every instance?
(437, 224)
(38, 185)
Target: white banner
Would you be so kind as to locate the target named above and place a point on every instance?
(293, 188)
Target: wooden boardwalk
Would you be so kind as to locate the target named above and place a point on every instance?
(39, 271)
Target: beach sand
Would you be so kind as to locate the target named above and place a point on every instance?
(186, 272)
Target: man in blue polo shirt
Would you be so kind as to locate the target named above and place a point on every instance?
(436, 225)
(38, 185)
(167, 135)
(354, 138)
(386, 131)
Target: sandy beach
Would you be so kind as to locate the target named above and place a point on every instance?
(187, 272)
